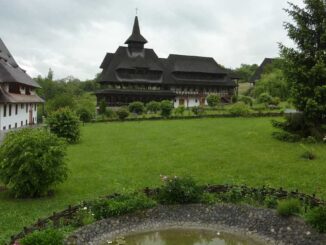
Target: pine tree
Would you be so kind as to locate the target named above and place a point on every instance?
(305, 65)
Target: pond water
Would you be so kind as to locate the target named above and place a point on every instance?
(185, 237)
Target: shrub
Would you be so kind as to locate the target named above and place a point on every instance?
(270, 202)
(44, 237)
(179, 190)
(275, 101)
(288, 207)
(286, 136)
(265, 98)
(239, 109)
(208, 198)
(247, 100)
(83, 217)
(119, 205)
(65, 124)
(198, 110)
(234, 99)
(180, 110)
(213, 100)
(102, 107)
(153, 106)
(316, 217)
(310, 140)
(84, 115)
(166, 108)
(122, 113)
(233, 195)
(31, 162)
(110, 113)
(136, 107)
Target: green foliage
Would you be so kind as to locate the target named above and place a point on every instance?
(209, 198)
(233, 195)
(239, 109)
(84, 115)
(179, 190)
(246, 99)
(198, 110)
(49, 236)
(305, 65)
(122, 113)
(110, 113)
(265, 98)
(166, 108)
(213, 100)
(246, 72)
(83, 216)
(286, 136)
(316, 217)
(288, 207)
(102, 107)
(32, 162)
(270, 202)
(60, 101)
(153, 106)
(180, 110)
(136, 107)
(275, 101)
(65, 124)
(122, 204)
(272, 83)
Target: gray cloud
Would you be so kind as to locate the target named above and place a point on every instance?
(72, 36)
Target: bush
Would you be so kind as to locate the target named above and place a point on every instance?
(31, 162)
(265, 98)
(102, 107)
(83, 217)
(122, 113)
(239, 109)
(65, 124)
(270, 202)
(44, 237)
(275, 101)
(198, 110)
(233, 195)
(153, 106)
(136, 107)
(213, 100)
(180, 110)
(166, 108)
(110, 113)
(288, 207)
(179, 190)
(286, 136)
(84, 115)
(126, 203)
(234, 99)
(247, 100)
(316, 217)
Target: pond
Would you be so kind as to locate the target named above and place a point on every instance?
(185, 237)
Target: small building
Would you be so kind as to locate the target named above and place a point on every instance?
(261, 69)
(18, 98)
(135, 73)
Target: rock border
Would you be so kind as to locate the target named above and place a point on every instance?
(260, 224)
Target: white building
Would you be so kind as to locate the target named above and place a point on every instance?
(18, 98)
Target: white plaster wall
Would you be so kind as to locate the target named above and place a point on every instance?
(192, 101)
(22, 115)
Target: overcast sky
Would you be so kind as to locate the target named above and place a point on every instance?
(72, 36)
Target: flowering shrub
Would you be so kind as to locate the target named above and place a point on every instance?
(179, 190)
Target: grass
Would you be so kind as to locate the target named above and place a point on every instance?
(132, 155)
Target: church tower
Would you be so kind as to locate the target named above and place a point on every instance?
(136, 41)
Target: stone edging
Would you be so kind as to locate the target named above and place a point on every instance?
(257, 223)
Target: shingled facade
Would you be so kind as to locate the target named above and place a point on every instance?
(18, 98)
(135, 73)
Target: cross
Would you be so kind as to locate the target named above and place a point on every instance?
(136, 11)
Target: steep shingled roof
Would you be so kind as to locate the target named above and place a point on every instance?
(10, 71)
(136, 37)
(260, 70)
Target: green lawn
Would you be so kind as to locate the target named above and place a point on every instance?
(114, 156)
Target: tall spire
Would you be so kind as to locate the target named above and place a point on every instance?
(136, 38)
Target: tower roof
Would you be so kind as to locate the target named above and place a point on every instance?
(136, 37)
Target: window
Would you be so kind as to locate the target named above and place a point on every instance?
(9, 126)
(16, 109)
(26, 108)
(4, 128)
(9, 111)
(4, 110)
(35, 107)
(15, 125)
(21, 123)
(26, 122)
(21, 106)
(196, 100)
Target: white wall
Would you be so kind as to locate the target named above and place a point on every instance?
(21, 116)
(188, 102)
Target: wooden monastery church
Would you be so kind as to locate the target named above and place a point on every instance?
(18, 99)
(135, 73)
